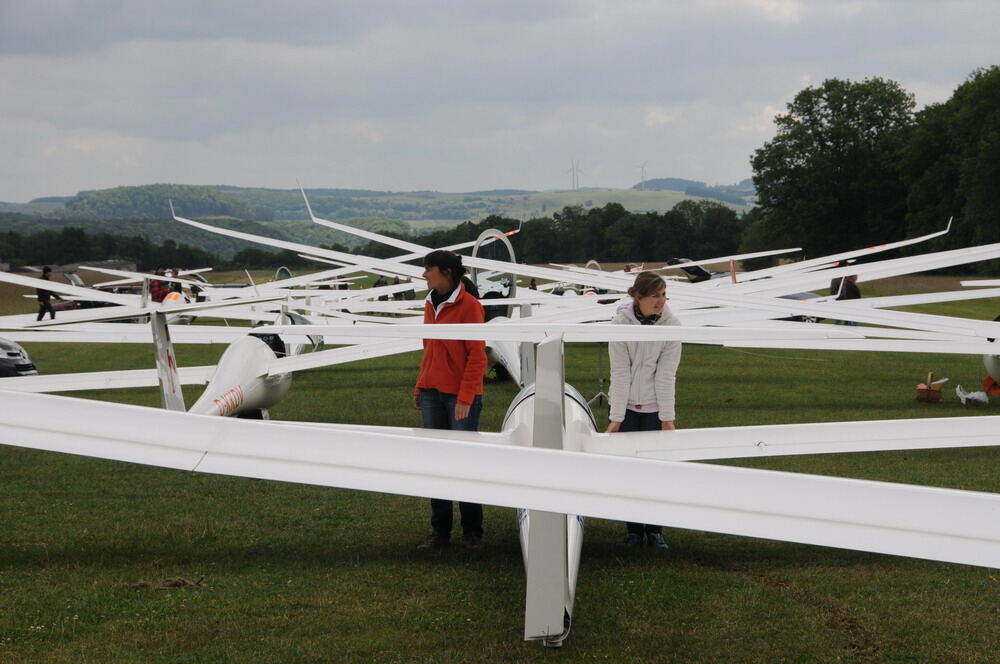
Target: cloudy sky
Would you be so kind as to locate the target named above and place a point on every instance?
(446, 95)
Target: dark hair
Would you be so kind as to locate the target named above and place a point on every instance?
(442, 258)
(445, 260)
(646, 283)
(451, 263)
(470, 287)
(46, 269)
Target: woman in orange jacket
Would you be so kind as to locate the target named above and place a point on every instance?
(449, 389)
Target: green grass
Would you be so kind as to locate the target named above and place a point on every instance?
(293, 573)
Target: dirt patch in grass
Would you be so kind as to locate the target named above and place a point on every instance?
(859, 641)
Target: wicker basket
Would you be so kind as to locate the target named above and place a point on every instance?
(929, 395)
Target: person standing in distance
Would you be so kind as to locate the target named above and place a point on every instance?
(449, 389)
(44, 297)
(643, 376)
(158, 289)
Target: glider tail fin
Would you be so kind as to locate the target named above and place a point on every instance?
(166, 364)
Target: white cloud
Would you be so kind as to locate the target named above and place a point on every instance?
(658, 116)
(444, 94)
(760, 124)
(781, 11)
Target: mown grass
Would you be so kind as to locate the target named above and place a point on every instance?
(288, 573)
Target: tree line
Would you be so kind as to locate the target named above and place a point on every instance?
(853, 165)
(572, 235)
(612, 233)
(72, 245)
(151, 201)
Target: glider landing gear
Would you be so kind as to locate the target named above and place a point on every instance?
(557, 641)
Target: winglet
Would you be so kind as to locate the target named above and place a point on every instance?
(252, 284)
(306, 199)
(516, 230)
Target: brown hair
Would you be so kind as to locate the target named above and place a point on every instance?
(646, 283)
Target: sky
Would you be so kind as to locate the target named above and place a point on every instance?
(444, 95)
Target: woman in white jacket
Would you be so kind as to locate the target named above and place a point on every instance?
(642, 378)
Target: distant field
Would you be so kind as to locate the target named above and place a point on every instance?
(287, 573)
(476, 207)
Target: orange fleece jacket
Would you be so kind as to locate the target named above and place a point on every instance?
(453, 366)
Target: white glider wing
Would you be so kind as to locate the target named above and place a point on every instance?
(67, 289)
(787, 439)
(103, 380)
(938, 524)
(833, 259)
(516, 331)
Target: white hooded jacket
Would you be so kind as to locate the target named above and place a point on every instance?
(643, 372)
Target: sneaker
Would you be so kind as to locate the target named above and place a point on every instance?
(434, 541)
(631, 540)
(472, 540)
(655, 540)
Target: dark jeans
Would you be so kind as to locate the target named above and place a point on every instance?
(635, 421)
(44, 307)
(437, 410)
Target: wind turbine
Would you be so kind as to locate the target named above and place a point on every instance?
(575, 171)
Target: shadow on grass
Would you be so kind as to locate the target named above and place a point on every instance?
(306, 551)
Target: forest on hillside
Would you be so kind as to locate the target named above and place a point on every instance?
(852, 165)
(259, 204)
(573, 234)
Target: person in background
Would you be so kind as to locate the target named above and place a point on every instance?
(381, 281)
(158, 289)
(449, 388)
(845, 288)
(643, 376)
(45, 297)
(176, 286)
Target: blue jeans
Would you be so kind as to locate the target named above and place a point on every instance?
(636, 421)
(437, 411)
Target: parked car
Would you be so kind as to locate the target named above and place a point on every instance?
(14, 360)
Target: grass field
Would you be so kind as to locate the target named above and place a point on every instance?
(111, 562)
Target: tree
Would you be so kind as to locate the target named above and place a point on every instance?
(712, 228)
(570, 241)
(952, 165)
(628, 238)
(830, 180)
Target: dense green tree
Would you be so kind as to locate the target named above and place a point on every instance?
(829, 180)
(535, 243)
(712, 228)
(952, 165)
(628, 238)
(10, 248)
(568, 227)
(69, 243)
(756, 238)
(671, 236)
